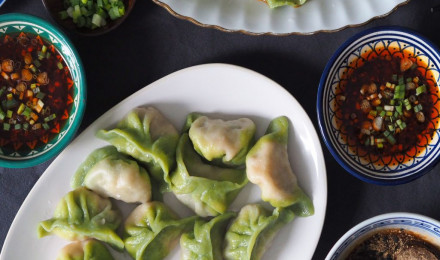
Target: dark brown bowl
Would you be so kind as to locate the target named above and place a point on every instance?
(55, 6)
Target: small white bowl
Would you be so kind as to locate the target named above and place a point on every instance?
(426, 227)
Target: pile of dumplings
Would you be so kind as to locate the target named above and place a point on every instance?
(205, 166)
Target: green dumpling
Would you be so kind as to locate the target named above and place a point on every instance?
(223, 142)
(83, 214)
(268, 166)
(85, 250)
(251, 233)
(152, 230)
(205, 242)
(146, 135)
(113, 174)
(207, 189)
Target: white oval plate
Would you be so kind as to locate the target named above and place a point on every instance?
(255, 17)
(214, 88)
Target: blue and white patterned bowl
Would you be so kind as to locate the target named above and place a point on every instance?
(426, 227)
(377, 41)
(16, 23)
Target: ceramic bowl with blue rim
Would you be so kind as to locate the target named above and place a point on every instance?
(424, 228)
(386, 136)
(44, 107)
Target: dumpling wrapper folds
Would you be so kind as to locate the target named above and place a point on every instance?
(205, 241)
(268, 166)
(83, 214)
(113, 174)
(207, 189)
(152, 230)
(221, 141)
(146, 135)
(253, 230)
(85, 250)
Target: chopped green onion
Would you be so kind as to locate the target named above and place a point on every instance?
(389, 137)
(97, 20)
(399, 109)
(418, 108)
(50, 118)
(60, 65)
(21, 108)
(391, 128)
(388, 108)
(44, 49)
(41, 55)
(399, 92)
(114, 13)
(81, 21)
(10, 103)
(421, 89)
(401, 124)
(46, 126)
(17, 127)
(2, 115)
(37, 63)
(6, 126)
(27, 112)
(76, 13)
(25, 126)
(401, 80)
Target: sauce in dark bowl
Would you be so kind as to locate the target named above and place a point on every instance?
(388, 107)
(35, 92)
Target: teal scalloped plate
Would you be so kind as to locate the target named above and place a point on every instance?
(31, 156)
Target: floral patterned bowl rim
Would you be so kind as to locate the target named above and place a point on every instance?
(388, 37)
(427, 227)
(16, 22)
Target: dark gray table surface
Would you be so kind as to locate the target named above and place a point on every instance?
(151, 43)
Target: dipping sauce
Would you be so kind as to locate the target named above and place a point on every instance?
(386, 107)
(35, 92)
(395, 244)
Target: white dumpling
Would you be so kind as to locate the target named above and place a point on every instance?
(269, 168)
(217, 138)
(122, 180)
(160, 125)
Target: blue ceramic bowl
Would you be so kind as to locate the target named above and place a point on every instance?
(425, 227)
(382, 41)
(15, 23)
